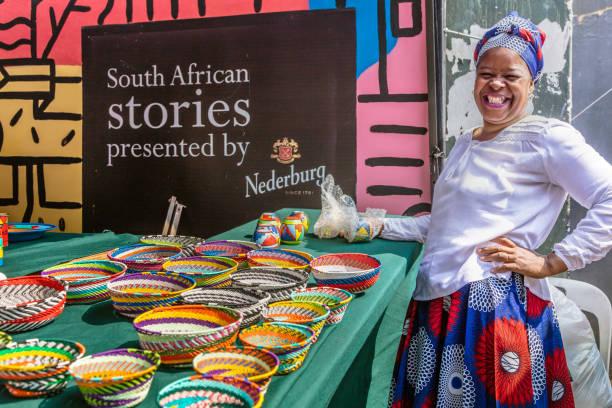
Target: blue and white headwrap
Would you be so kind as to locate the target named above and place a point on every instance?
(520, 35)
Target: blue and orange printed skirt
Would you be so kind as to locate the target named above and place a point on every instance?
(490, 344)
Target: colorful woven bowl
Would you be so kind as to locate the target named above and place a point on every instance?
(290, 342)
(86, 280)
(5, 339)
(257, 365)
(115, 378)
(179, 333)
(207, 271)
(278, 282)
(136, 293)
(185, 243)
(198, 391)
(249, 302)
(141, 257)
(354, 273)
(37, 368)
(279, 258)
(236, 250)
(30, 302)
(337, 300)
(313, 315)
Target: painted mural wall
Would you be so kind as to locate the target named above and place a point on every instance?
(41, 97)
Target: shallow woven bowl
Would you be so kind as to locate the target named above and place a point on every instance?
(142, 257)
(38, 367)
(290, 342)
(279, 258)
(115, 378)
(337, 300)
(86, 280)
(198, 391)
(179, 333)
(187, 244)
(249, 302)
(278, 282)
(233, 249)
(136, 293)
(29, 302)
(207, 271)
(257, 365)
(313, 315)
(352, 272)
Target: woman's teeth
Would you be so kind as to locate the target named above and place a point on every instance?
(496, 100)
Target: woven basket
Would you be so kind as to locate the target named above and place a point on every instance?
(5, 339)
(278, 282)
(354, 273)
(279, 258)
(86, 280)
(207, 271)
(141, 257)
(313, 315)
(290, 342)
(179, 333)
(37, 368)
(235, 250)
(30, 302)
(115, 378)
(257, 365)
(136, 293)
(198, 391)
(337, 300)
(250, 303)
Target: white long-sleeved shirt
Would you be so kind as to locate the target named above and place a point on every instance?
(513, 185)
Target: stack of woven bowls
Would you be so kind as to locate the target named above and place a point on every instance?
(86, 280)
(30, 302)
(210, 392)
(136, 293)
(352, 272)
(235, 250)
(256, 365)
(38, 368)
(278, 282)
(179, 333)
(313, 315)
(337, 300)
(279, 258)
(115, 378)
(290, 342)
(207, 271)
(142, 257)
(251, 303)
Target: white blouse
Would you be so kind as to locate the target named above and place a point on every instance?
(513, 185)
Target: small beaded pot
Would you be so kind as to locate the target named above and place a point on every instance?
(279, 258)
(313, 315)
(292, 231)
(290, 342)
(143, 257)
(303, 217)
(37, 368)
(337, 300)
(278, 282)
(179, 333)
(250, 302)
(267, 236)
(270, 217)
(352, 272)
(115, 378)
(86, 280)
(207, 271)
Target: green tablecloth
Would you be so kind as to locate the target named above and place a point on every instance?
(349, 366)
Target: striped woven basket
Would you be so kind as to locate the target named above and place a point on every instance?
(251, 303)
(279, 258)
(29, 302)
(115, 378)
(233, 249)
(278, 282)
(257, 365)
(207, 271)
(198, 391)
(352, 272)
(337, 300)
(313, 315)
(142, 257)
(136, 293)
(86, 280)
(290, 342)
(179, 333)
(38, 367)
(185, 243)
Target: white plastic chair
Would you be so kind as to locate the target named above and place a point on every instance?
(593, 300)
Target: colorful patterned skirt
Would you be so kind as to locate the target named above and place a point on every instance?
(492, 343)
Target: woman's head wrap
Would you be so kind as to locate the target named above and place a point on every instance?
(518, 34)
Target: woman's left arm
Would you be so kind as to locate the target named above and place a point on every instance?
(576, 167)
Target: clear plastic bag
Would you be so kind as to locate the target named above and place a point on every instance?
(338, 211)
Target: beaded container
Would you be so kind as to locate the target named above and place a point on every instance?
(337, 300)
(207, 271)
(313, 315)
(142, 257)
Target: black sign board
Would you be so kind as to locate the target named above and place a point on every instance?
(233, 115)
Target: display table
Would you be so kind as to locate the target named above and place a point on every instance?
(350, 366)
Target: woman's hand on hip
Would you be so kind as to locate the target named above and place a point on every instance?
(513, 258)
